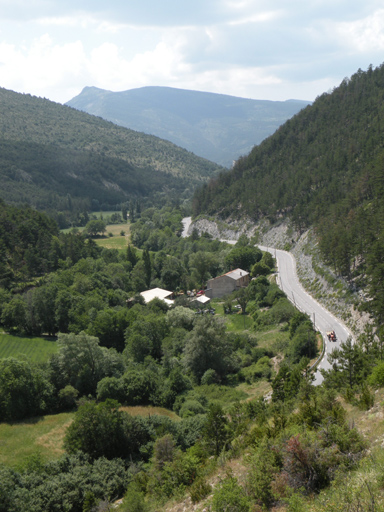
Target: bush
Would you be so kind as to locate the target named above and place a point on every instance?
(259, 370)
(134, 500)
(230, 496)
(209, 377)
(303, 344)
(199, 490)
(376, 379)
(191, 408)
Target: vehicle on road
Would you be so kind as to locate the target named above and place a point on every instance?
(331, 335)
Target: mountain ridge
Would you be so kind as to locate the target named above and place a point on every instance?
(321, 169)
(218, 127)
(49, 150)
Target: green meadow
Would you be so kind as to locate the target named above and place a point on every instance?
(43, 435)
(35, 349)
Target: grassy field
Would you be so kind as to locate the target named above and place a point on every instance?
(43, 435)
(35, 349)
(142, 410)
(238, 322)
(235, 322)
(117, 241)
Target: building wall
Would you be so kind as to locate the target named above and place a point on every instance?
(224, 285)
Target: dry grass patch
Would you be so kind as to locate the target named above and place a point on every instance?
(369, 423)
(256, 389)
(53, 441)
(140, 410)
(44, 435)
(117, 241)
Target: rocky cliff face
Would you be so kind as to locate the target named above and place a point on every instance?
(223, 231)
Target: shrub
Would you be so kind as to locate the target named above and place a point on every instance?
(259, 370)
(209, 377)
(230, 496)
(191, 408)
(199, 490)
(366, 399)
(376, 379)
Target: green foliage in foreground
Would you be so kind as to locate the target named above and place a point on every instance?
(66, 484)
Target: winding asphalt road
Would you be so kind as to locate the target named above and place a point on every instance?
(288, 281)
(323, 319)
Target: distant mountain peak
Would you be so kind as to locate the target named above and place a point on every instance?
(218, 127)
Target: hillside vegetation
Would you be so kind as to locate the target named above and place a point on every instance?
(55, 157)
(246, 429)
(323, 168)
(215, 126)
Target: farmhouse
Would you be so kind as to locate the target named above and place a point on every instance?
(227, 283)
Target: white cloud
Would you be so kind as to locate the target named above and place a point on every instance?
(42, 67)
(251, 48)
(266, 16)
(363, 35)
(79, 21)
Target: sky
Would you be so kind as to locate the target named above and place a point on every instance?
(259, 49)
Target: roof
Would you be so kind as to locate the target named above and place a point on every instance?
(203, 299)
(157, 293)
(235, 274)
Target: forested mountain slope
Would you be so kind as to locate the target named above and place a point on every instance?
(215, 126)
(324, 168)
(50, 152)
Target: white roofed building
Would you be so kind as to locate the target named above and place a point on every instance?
(157, 293)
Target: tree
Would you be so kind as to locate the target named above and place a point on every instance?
(63, 304)
(24, 390)
(172, 273)
(152, 329)
(140, 385)
(131, 255)
(95, 227)
(207, 346)
(303, 343)
(348, 365)
(97, 430)
(260, 269)
(268, 259)
(243, 257)
(109, 327)
(44, 305)
(202, 262)
(181, 317)
(215, 432)
(147, 267)
(14, 315)
(230, 496)
(81, 362)
(138, 277)
(242, 297)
